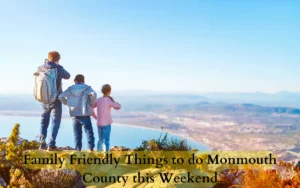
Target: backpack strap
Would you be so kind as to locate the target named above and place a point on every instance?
(59, 89)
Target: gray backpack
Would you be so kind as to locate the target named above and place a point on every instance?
(45, 88)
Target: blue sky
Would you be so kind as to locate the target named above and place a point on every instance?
(173, 46)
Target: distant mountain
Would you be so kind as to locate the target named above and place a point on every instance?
(161, 99)
(280, 99)
(283, 98)
(19, 102)
(261, 109)
(283, 102)
(220, 108)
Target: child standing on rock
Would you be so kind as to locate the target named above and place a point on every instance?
(103, 116)
(80, 98)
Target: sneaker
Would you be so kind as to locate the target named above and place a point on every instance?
(53, 148)
(43, 147)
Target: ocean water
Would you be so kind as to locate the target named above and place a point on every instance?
(121, 135)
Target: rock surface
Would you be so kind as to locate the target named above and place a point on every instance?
(65, 148)
(6, 140)
(120, 148)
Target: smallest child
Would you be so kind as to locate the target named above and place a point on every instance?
(103, 116)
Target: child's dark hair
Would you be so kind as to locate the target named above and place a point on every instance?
(105, 90)
(79, 78)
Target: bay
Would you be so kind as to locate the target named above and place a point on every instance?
(121, 135)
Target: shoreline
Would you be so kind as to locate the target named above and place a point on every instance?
(129, 125)
(168, 131)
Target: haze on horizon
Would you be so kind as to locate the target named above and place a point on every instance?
(169, 46)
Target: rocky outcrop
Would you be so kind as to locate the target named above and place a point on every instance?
(120, 148)
(19, 142)
(64, 148)
(67, 148)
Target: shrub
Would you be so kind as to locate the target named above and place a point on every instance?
(11, 160)
(285, 175)
(163, 143)
(50, 178)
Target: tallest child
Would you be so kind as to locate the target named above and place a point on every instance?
(55, 108)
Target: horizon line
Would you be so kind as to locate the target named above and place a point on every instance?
(142, 91)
